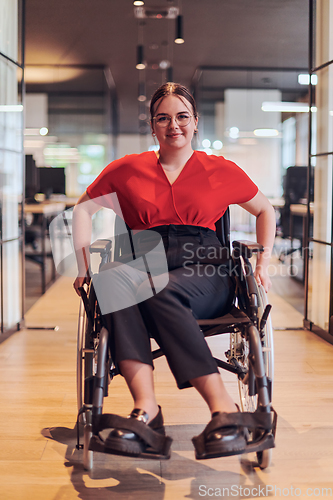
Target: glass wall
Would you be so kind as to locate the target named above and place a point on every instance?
(250, 116)
(11, 164)
(319, 311)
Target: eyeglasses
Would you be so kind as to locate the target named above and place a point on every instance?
(182, 119)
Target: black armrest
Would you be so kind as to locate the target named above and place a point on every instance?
(100, 246)
(247, 248)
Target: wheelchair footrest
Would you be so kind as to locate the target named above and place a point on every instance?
(267, 439)
(264, 443)
(260, 424)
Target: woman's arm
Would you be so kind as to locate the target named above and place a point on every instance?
(265, 228)
(82, 227)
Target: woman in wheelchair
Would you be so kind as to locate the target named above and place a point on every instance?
(178, 193)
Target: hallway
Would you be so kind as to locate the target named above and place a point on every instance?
(38, 459)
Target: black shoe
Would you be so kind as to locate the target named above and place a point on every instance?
(226, 435)
(221, 437)
(156, 424)
(135, 441)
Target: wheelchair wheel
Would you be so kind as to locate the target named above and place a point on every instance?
(87, 435)
(268, 343)
(82, 325)
(265, 457)
(248, 398)
(247, 393)
(87, 345)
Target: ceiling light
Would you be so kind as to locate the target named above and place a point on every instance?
(285, 107)
(11, 108)
(31, 131)
(139, 57)
(142, 92)
(60, 152)
(43, 131)
(165, 64)
(138, 3)
(141, 12)
(217, 145)
(304, 79)
(234, 132)
(206, 143)
(266, 132)
(179, 30)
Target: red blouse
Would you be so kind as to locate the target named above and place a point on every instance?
(200, 195)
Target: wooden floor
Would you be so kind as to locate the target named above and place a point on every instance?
(38, 459)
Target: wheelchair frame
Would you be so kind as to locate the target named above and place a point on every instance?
(250, 356)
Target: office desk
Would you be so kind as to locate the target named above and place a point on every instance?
(277, 202)
(69, 201)
(299, 210)
(46, 211)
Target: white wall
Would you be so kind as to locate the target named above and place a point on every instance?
(259, 157)
(36, 110)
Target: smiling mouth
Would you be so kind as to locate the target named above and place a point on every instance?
(174, 135)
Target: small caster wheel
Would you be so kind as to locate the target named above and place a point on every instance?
(87, 454)
(264, 458)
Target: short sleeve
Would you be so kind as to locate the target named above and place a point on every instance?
(102, 189)
(241, 188)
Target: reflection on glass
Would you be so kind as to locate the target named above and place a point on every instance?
(319, 285)
(11, 162)
(10, 193)
(12, 280)
(322, 217)
(9, 29)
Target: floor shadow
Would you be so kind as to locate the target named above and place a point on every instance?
(127, 478)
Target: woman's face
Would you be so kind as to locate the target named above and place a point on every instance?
(169, 133)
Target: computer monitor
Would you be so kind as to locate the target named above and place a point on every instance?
(52, 180)
(31, 177)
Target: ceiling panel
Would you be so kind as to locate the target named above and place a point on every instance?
(264, 33)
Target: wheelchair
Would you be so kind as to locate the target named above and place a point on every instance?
(250, 355)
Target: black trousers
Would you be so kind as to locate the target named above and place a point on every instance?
(199, 286)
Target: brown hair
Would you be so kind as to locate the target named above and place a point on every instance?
(171, 88)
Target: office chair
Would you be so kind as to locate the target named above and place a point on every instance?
(294, 192)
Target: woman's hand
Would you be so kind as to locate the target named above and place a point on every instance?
(79, 282)
(82, 216)
(262, 277)
(261, 208)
